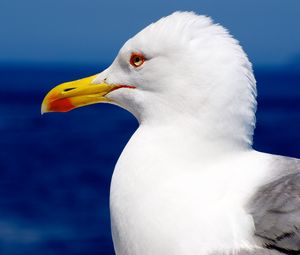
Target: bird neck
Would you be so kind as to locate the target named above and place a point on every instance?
(191, 139)
(220, 122)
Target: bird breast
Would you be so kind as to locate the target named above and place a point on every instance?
(163, 207)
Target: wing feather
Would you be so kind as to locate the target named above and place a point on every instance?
(276, 212)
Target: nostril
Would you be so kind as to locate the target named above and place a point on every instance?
(68, 89)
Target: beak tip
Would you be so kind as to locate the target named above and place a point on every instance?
(43, 109)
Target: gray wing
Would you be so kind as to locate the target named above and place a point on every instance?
(276, 212)
(257, 251)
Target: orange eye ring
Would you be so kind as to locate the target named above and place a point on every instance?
(137, 59)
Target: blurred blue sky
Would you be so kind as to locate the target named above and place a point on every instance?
(92, 31)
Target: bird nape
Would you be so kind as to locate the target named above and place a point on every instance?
(188, 181)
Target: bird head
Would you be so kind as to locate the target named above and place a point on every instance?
(182, 65)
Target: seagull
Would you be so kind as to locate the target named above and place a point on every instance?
(189, 181)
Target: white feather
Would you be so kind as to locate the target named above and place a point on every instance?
(182, 182)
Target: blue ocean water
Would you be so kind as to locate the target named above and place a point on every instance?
(55, 169)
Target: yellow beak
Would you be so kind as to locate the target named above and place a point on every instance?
(70, 95)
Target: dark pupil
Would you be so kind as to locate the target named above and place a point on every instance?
(137, 59)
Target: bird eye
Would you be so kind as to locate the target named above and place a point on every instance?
(137, 59)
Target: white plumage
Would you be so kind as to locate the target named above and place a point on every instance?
(182, 184)
(188, 181)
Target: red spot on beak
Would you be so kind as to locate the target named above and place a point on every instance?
(61, 105)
